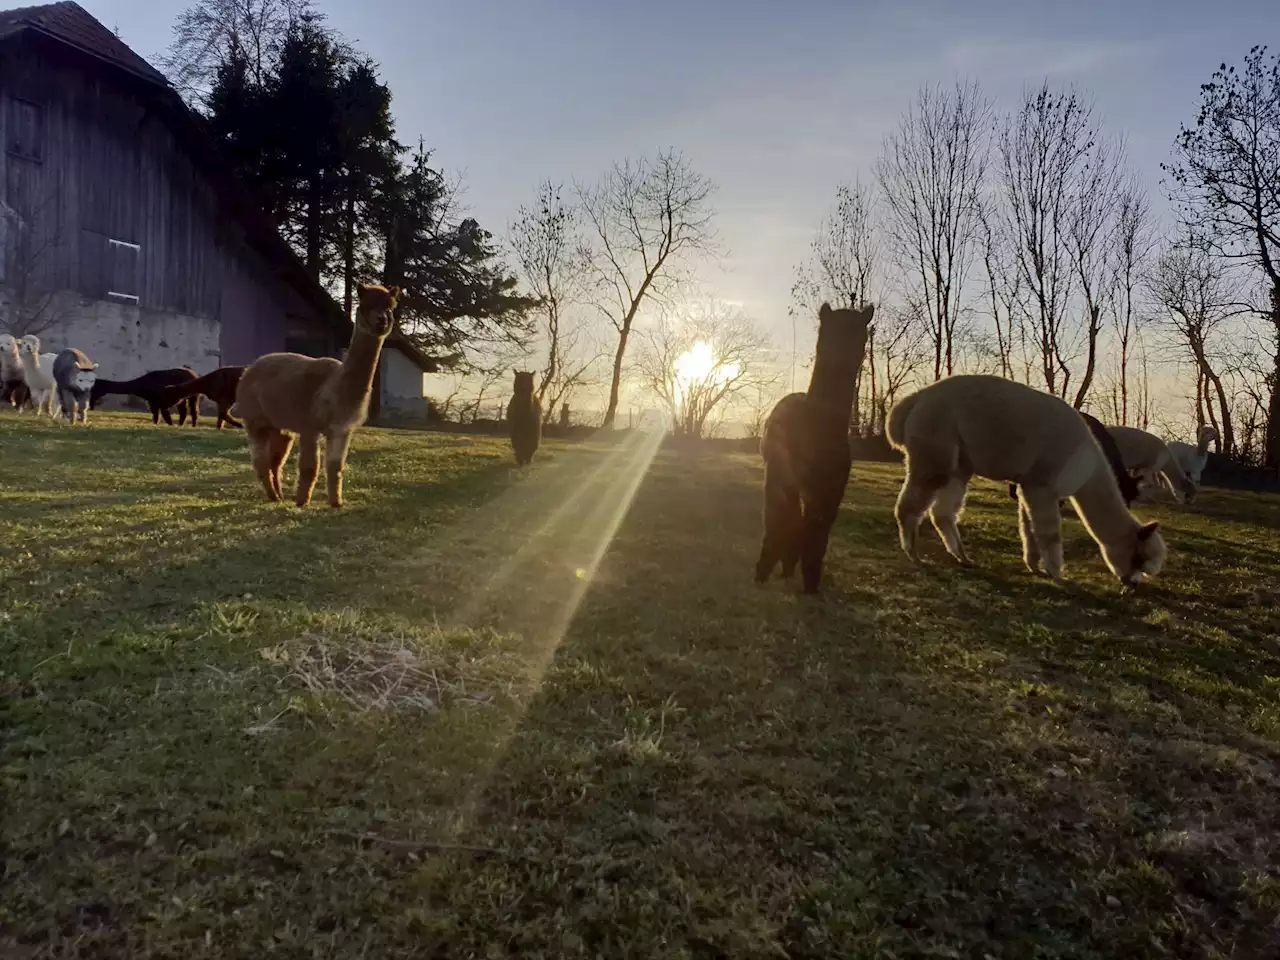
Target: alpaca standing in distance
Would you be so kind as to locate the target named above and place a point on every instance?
(37, 371)
(987, 426)
(150, 389)
(219, 386)
(524, 416)
(74, 375)
(806, 451)
(286, 394)
(1192, 457)
(1147, 455)
(13, 386)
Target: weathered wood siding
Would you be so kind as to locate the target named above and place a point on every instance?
(119, 211)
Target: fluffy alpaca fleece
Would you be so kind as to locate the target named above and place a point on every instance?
(1124, 479)
(1192, 457)
(12, 384)
(150, 388)
(286, 394)
(524, 417)
(73, 372)
(219, 386)
(1002, 430)
(806, 451)
(1146, 455)
(37, 372)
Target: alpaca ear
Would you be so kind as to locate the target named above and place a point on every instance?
(395, 293)
(824, 312)
(1148, 529)
(867, 313)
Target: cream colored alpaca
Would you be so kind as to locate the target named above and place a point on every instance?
(37, 371)
(285, 394)
(1192, 457)
(1146, 455)
(964, 426)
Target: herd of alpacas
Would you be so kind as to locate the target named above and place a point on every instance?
(950, 431)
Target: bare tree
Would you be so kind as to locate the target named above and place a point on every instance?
(208, 33)
(697, 365)
(1226, 181)
(897, 349)
(1133, 245)
(649, 219)
(931, 171)
(1042, 150)
(549, 250)
(28, 246)
(1193, 290)
(841, 267)
(1091, 240)
(1004, 287)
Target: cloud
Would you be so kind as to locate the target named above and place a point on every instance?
(1064, 59)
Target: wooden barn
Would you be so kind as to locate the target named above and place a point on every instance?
(123, 233)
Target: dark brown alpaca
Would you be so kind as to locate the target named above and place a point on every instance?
(806, 451)
(524, 417)
(219, 386)
(283, 395)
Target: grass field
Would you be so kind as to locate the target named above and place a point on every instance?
(466, 717)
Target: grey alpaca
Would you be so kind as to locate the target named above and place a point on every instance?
(73, 375)
(524, 417)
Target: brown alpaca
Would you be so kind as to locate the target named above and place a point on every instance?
(283, 395)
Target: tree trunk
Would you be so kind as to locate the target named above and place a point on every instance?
(1091, 362)
(1273, 418)
(1227, 431)
(313, 226)
(1124, 381)
(348, 252)
(615, 383)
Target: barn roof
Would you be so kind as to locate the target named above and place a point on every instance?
(70, 24)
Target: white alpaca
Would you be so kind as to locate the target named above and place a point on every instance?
(1147, 455)
(987, 426)
(37, 371)
(1192, 458)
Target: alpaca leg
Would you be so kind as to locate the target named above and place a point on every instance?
(308, 467)
(913, 500)
(335, 460)
(281, 444)
(224, 415)
(193, 405)
(182, 413)
(781, 528)
(945, 512)
(1030, 549)
(1046, 525)
(260, 456)
(813, 547)
(155, 413)
(168, 420)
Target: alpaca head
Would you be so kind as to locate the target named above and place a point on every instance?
(8, 347)
(1139, 553)
(29, 346)
(842, 341)
(375, 312)
(524, 383)
(82, 379)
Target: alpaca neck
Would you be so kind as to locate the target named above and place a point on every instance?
(833, 388)
(1202, 448)
(356, 377)
(1102, 508)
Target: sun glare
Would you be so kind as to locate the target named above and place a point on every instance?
(699, 364)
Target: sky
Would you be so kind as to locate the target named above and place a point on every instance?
(777, 102)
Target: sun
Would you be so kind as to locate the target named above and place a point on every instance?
(699, 364)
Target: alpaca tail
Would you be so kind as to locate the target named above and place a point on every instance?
(895, 426)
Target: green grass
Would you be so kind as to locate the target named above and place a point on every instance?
(426, 726)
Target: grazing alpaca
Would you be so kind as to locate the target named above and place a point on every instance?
(1146, 455)
(1002, 430)
(150, 388)
(1193, 458)
(283, 394)
(524, 415)
(73, 373)
(1124, 479)
(806, 451)
(37, 371)
(219, 386)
